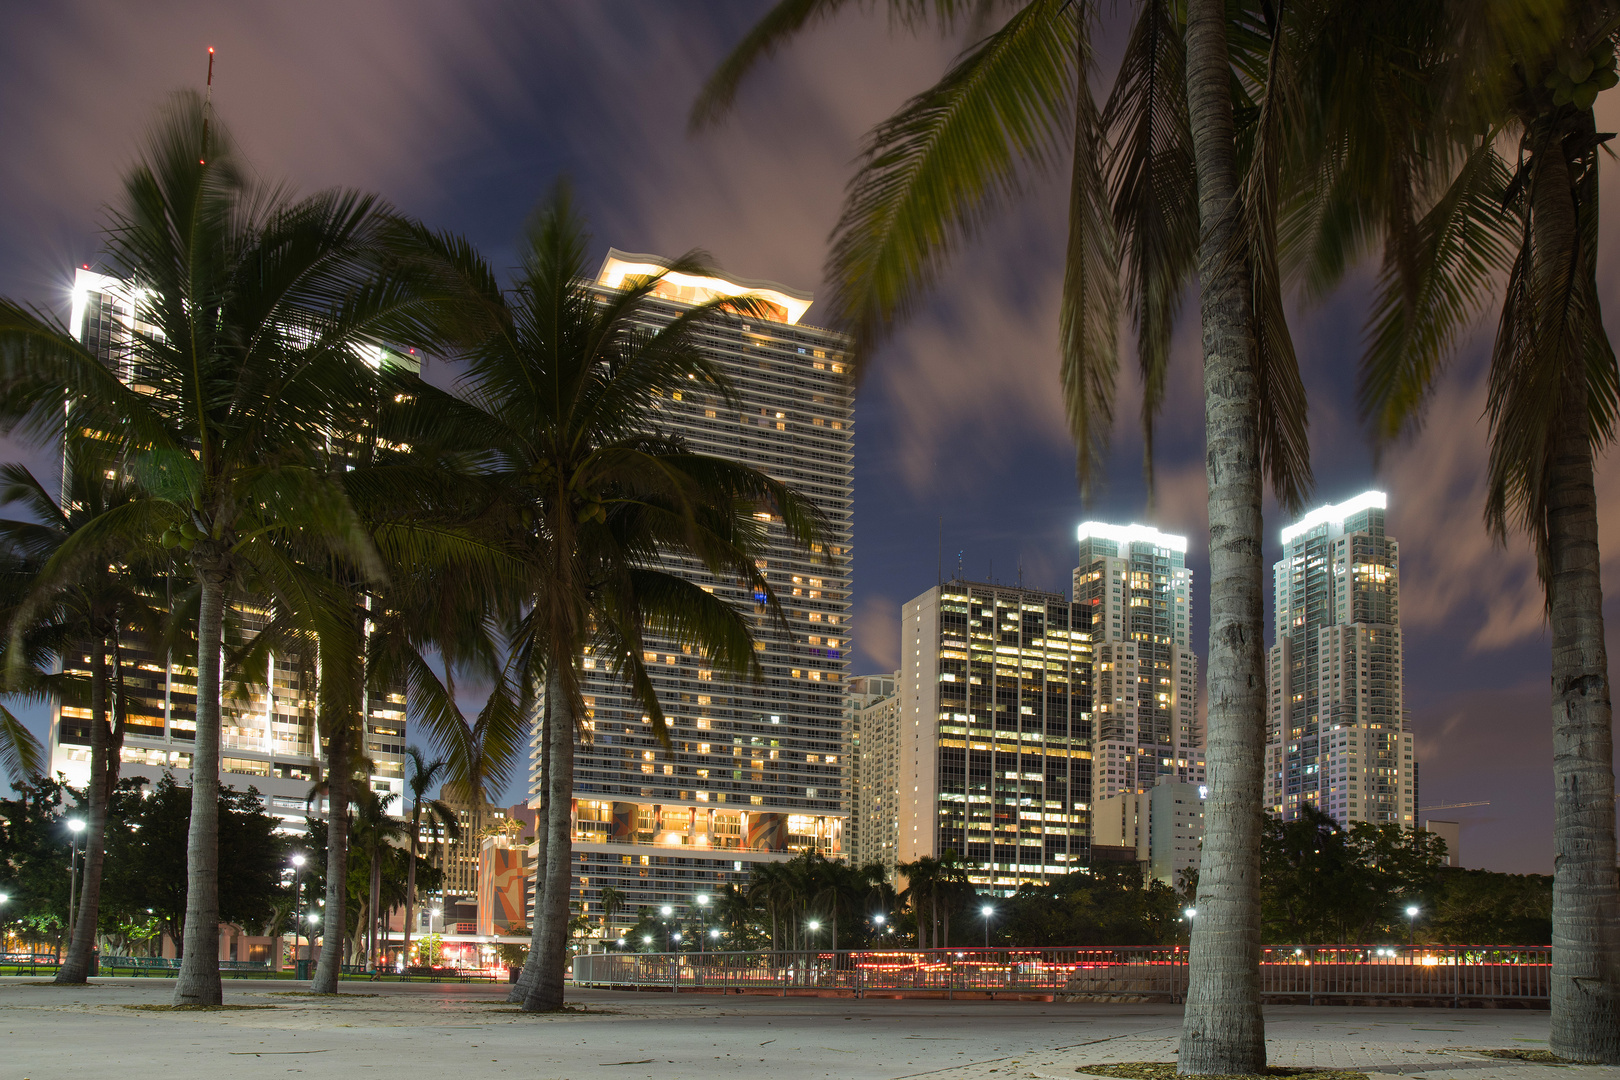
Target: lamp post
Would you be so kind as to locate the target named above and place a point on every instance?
(703, 918)
(666, 911)
(75, 827)
(987, 911)
(298, 904)
(1411, 924)
(813, 925)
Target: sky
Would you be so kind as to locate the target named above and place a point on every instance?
(465, 115)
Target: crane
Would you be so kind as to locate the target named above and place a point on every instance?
(1452, 805)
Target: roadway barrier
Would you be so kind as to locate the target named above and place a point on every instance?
(1308, 974)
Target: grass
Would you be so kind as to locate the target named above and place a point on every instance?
(1166, 1070)
(1540, 1057)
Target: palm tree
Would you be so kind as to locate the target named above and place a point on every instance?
(562, 385)
(375, 830)
(612, 904)
(420, 777)
(80, 603)
(921, 888)
(257, 306)
(1020, 99)
(1465, 220)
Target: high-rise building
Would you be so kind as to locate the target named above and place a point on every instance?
(1134, 582)
(872, 770)
(1165, 824)
(1337, 735)
(995, 732)
(266, 732)
(755, 771)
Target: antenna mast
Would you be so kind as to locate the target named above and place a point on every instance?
(208, 107)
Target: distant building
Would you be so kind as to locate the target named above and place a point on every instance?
(1337, 737)
(1451, 833)
(1134, 582)
(1165, 826)
(267, 732)
(872, 770)
(994, 732)
(753, 772)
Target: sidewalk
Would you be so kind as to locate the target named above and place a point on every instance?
(58, 1033)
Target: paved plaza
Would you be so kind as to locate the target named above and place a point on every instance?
(467, 1031)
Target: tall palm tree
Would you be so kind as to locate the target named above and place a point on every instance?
(1168, 139)
(85, 602)
(1498, 204)
(375, 830)
(421, 775)
(562, 385)
(612, 903)
(253, 307)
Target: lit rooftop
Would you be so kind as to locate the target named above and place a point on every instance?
(1332, 515)
(691, 289)
(1132, 534)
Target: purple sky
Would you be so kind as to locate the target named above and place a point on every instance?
(464, 115)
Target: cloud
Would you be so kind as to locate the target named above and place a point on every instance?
(877, 629)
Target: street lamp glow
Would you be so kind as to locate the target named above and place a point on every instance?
(703, 899)
(298, 860)
(878, 919)
(75, 825)
(714, 933)
(4, 897)
(621, 943)
(987, 911)
(814, 925)
(1190, 912)
(666, 911)
(1412, 911)
(646, 939)
(676, 936)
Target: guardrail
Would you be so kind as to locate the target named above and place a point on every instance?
(1308, 974)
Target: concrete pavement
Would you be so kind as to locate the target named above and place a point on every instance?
(456, 1031)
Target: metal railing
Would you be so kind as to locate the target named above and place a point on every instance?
(1303, 974)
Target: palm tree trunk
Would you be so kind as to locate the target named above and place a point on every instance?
(1585, 1023)
(76, 965)
(374, 917)
(198, 981)
(530, 975)
(410, 889)
(547, 991)
(1223, 1028)
(337, 858)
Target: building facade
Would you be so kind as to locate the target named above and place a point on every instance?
(1134, 582)
(1165, 826)
(1337, 735)
(756, 772)
(267, 732)
(872, 770)
(995, 732)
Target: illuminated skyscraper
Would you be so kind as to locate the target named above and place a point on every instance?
(1337, 736)
(755, 773)
(872, 770)
(1134, 581)
(266, 732)
(994, 732)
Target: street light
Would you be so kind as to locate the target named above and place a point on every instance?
(1411, 924)
(813, 925)
(75, 827)
(987, 911)
(298, 907)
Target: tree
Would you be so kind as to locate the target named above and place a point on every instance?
(420, 777)
(375, 831)
(86, 603)
(259, 305)
(148, 854)
(612, 904)
(562, 386)
(929, 176)
(1475, 226)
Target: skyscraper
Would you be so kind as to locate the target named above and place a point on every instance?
(266, 732)
(994, 732)
(1134, 581)
(872, 770)
(755, 771)
(1337, 735)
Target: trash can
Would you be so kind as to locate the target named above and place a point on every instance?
(512, 974)
(95, 961)
(302, 973)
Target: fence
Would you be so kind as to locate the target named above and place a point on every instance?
(1309, 974)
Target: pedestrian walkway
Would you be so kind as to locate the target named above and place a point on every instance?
(110, 1028)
